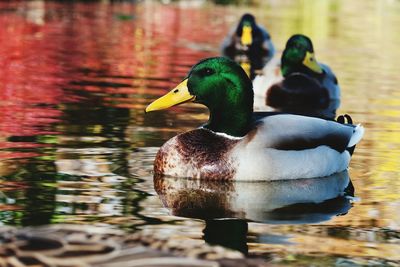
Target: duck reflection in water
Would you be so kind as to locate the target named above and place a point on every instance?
(226, 207)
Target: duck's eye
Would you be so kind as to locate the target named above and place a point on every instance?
(206, 72)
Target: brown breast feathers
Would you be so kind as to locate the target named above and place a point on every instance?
(201, 150)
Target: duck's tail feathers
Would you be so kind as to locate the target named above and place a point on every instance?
(358, 133)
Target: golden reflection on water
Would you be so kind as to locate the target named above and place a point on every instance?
(359, 40)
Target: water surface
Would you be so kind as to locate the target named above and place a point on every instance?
(76, 146)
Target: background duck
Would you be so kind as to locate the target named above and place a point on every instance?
(232, 145)
(306, 86)
(249, 45)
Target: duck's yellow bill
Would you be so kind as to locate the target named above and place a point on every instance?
(311, 63)
(246, 38)
(178, 95)
(247, 67)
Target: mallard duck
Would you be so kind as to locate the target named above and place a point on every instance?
(307, 87)
(249, 44)
(232, 145)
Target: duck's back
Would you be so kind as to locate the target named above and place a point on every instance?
(294, 132)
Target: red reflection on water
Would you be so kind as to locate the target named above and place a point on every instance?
(17, 155)
(47, 47)
(12, 185)
(21, 120)
(20, 145)
(29, 76)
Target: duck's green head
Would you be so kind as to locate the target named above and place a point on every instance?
(298, 56)
(222, 86)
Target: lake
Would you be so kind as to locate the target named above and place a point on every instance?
(76, 146)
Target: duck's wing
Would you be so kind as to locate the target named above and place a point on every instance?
(330, 82)
(294, 132)
(260, 115)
